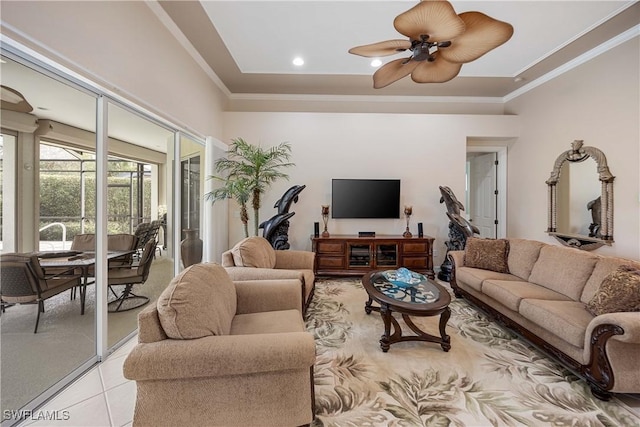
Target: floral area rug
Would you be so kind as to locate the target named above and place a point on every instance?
(490, 377)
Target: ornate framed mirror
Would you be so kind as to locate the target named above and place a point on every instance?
(580, 203)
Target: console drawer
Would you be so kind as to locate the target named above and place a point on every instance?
(415, 262)
(330, 248)
(414, 248)
(329, 262)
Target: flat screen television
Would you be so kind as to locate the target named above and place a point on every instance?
(365, 198)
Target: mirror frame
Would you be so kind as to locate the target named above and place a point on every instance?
(579, 153)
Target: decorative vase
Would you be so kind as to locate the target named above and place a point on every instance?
(325, 219)
(408, 210)
(191, 248)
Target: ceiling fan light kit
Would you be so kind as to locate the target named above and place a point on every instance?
(440, 41)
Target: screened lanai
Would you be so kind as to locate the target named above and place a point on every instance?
(67, 195)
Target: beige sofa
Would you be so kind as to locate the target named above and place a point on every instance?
(212, 352)
(253, 258)
(545, 292)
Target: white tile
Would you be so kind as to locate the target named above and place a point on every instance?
(126, 348)
(90, 412)
(111, 372)
(87, 386)
(121, 401)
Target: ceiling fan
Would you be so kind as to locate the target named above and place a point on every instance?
(14, 100)
(440, 41)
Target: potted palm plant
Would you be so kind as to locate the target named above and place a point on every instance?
(248, 171)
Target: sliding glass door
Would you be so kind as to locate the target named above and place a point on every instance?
(43, 187)
(77, 165)
(137, 194)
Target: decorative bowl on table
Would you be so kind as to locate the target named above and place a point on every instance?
(403, 277)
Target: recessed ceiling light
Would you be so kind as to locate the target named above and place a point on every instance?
(297, 61)
(376, 63)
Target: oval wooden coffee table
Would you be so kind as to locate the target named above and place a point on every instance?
(427, 298)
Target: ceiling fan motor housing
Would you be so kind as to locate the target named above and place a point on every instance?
(424, 50)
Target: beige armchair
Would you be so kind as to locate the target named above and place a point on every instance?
(253, 258)
(213, 352)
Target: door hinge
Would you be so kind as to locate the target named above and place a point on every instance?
(495, 192)
(495, 222)
(495, 162)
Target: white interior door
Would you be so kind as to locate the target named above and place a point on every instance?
(483, 193)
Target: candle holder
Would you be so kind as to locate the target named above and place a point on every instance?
(325, 219)
(408, 210)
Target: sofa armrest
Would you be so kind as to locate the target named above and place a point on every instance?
(295, 260)
(149, 326)
(253, 273)
(457, 257)
(215, 356)
(227, 259)
(628, 321)
(256, 296)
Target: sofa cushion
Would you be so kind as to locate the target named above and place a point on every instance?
(487, 254)
(564, 270)
(605, 266)
(523, 254)
(268, 322)
(510, 293)
(474, 277)
(567, 320)
(254, 251)
(199, 302)
(619, 292)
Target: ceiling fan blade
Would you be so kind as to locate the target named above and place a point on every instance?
(385, 48)
(438, 71)
(483, 34)
(437, 19)
(14, 100)
(393, 71)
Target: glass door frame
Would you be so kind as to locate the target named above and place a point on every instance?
(31, 59)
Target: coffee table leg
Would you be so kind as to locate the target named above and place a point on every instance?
(446, 339)
(386, 318)
(367, 306)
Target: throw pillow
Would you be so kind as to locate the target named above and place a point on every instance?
(487, 254)
(254, 252)
(618, 292)
(199, 302)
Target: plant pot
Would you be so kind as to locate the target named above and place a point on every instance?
(191, 248)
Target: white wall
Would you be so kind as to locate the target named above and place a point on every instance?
(424, 151)
(124, 47)
(598, 102)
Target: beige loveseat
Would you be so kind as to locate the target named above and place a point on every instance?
(212, 352)
(253, 258)
(549, 294)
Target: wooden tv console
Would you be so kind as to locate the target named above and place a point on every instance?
(350, 255)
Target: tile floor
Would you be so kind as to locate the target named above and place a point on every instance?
(104, 397)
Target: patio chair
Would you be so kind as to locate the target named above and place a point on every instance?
(121, 242)
(84, 242)
(127, 277)
(23, 281)
(146, 231)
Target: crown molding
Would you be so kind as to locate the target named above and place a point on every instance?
(593, 53)
(364, 98)
(164, 18)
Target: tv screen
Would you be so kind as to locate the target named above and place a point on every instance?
(365, 198)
